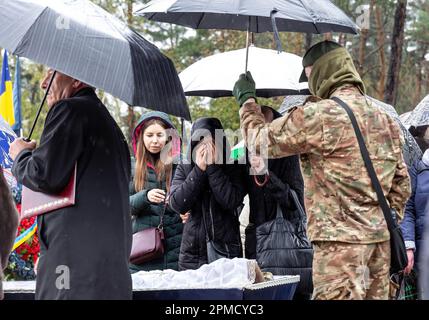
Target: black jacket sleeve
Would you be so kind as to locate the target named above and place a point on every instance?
(139, 203)
(228, 190)
(280, 191)
(288, 177)
(48, 168)
(185, 189)
(408, 224)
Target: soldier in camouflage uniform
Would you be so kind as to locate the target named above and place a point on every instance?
(345, 221)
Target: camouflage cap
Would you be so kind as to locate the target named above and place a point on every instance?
(314, 53)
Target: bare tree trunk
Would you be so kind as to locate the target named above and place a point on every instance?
(418, 84)
(390, 94)
(300, 42)
(342, 39)
(327, 36)
(362, 47)
(419, 75)
(381, 53)
(308, 40)
(426, 67)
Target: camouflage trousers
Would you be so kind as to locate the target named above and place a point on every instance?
(347, 271)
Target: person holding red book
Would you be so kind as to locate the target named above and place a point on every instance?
(84, 248)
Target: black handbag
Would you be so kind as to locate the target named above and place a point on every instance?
(216, 249)
(282, 246)
(399, 259)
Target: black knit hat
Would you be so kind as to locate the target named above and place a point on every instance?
(314, 53)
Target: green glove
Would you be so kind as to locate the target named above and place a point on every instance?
(244, 88)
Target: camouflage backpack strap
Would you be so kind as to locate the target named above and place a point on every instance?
(368, 164)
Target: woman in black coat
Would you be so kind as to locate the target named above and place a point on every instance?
(284, 174)
(212, 192)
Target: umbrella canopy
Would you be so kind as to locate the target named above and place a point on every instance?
(292, 101)
(308, 16)
(214, 76)
(420, 115)
(78, 38)
(404, 118)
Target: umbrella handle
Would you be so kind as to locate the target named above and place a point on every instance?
(275, 30)
(247, 45)
(250, 37)
(28, 139)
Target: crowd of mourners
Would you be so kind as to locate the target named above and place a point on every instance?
(312, 210)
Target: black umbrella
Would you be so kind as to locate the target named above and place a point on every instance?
(78, 38)
(307, 16)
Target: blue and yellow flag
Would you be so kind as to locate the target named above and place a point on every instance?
(6, 96)
(17, 98)
(26, 235)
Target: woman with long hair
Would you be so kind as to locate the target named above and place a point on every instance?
(155, 144)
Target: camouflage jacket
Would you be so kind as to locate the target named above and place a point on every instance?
(340, 201)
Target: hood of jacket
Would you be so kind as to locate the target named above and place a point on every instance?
(333, 70)
(146, 117)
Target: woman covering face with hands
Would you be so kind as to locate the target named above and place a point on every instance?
(210, 187)
(155, 144)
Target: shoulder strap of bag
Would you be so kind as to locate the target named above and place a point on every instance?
(279, 211)
(368, 164)
(204, 213)
(164, 206)
(297, 203)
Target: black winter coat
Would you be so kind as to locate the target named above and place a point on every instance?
(193, 190)
(284, 174)
(219, 189)
(85, 247)
(294, 257)
(146, 215)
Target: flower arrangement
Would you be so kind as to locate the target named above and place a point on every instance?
(29, 250)
(22, 260)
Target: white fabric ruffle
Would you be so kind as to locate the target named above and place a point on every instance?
(222, 273)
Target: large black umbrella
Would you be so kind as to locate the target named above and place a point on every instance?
(80, 39)
(307, 16)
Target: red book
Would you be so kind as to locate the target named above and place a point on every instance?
(36, 203)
